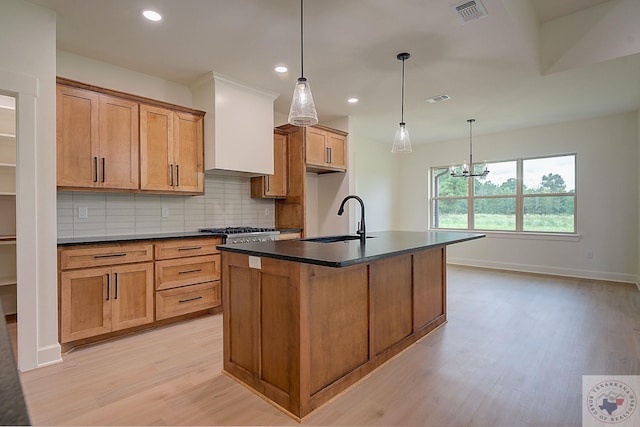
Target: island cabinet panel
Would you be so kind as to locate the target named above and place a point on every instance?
(277, 313)
(429, 269)
(391, 294)
(339, 341)
(299, 334)
(242, 302)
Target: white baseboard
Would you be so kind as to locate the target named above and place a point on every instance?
(543, 269)
(49, 355)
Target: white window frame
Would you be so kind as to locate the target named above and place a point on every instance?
(519, 196)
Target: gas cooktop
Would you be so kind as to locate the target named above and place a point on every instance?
(238, 230)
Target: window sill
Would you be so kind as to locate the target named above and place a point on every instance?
(519, 235)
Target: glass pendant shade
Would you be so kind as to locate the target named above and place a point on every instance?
(402, 141)
(303, 110)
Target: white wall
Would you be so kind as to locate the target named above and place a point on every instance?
(28, 70)
(102, 74)
(607, 192)
(376, 181)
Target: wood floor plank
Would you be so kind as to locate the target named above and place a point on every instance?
(512, 354)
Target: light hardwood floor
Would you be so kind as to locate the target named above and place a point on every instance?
(512, 354)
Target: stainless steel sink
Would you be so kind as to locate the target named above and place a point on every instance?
(333, 239)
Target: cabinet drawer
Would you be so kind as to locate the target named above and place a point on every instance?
(101, 255)
(172, 273)
(179, 248)
(187, 299)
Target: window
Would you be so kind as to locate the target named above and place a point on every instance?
(523, 195)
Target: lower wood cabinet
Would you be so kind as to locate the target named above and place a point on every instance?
(105, 288)
(96, 301)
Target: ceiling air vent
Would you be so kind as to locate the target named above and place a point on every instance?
(470, 10)
(438, 98)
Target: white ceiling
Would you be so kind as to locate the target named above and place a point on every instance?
(529, 62)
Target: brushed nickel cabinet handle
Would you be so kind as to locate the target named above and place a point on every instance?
(190, 299)
(177, 175)
(190, 248)
(116, 296)
(104, 171)
(171, 175)
(95, 169)
(190, 271)
(108, 286)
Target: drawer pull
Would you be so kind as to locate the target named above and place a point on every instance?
(190, 299)
(110, 255)
(190, 271)
(191, 248)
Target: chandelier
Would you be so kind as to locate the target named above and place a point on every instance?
(467, 168)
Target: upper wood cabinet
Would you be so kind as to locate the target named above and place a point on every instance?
(109, 140)
(171, 151)
(96, 141)
(325, 150)
(274, 186)
(307, 148)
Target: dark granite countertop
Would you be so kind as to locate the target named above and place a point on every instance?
(13, 410)
(342, 254)
(132, 238)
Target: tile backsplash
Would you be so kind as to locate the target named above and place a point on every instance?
(227, 202)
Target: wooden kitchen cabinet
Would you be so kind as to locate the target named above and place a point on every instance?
(96, 140)
(171, 151)
(307, 150)
(104, 288)
(95, 301)
(187, 276)
(110, 140)
(274, 186)
(325, 150)
(107, 289)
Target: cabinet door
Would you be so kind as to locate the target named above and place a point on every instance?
(156, 148)
(316, 143)
(188, 153)
(276, 184)
(76, 137)
(85, 303)
(337, 148)
(132, 295)
(119, 143)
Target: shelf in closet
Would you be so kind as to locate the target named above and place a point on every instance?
(8, 280)
(7, 238)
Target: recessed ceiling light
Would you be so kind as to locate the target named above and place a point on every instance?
(352, 100)
(281, 69)
(152, 15)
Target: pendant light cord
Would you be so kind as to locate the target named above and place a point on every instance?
(402, 107)
(302, 38)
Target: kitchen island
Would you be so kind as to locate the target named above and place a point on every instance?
(306, 319)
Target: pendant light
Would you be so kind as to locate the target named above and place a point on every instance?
(467, 168)
(402, 142)
(303, 110)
